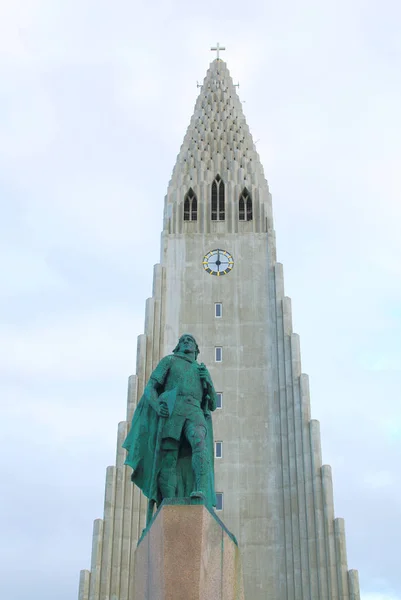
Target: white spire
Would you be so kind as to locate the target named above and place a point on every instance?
(218, 139)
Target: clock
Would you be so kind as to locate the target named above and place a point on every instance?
(218, 262)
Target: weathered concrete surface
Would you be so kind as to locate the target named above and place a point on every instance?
(187, 555)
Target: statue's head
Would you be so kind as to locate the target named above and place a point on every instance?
(187, 344)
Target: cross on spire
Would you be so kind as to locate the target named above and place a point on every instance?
(217, 49)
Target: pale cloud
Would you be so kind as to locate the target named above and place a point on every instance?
(24, 271)
(379, 596)
(75, 347)
(379, 479)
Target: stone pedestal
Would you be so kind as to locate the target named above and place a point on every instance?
(187, 554)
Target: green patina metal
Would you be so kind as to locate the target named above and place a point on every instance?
(170, 443)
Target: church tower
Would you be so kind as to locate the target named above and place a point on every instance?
(219, 279)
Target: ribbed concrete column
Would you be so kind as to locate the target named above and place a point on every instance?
(341, 559)
(300, 467)
(328, 507)
(84, 581)
(296, 584)
(96, 561)
(109, 501)
(353, 582)
(309, 490)
(286, 480)
(139, 504)
(149, 323)
(319, 514)
(126, 543)
(158, 301)
(131, 396)
(140, 363)
(116, 555)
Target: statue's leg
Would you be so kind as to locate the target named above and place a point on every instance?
(168, 471)
(196, 432)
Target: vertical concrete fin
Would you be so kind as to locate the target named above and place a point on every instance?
(139, 504)
(116, 553)
(126, 544)
(301, 469)
(140, 363)
(295, 356)
(84, 582)
(309, 487)
(341, 559)
(316, 454)
(96, 561)
(305, 397)
(287, 561)
(149, 323)
(121, 435)
(109, 503)
(131, 396)
(296, 590)
(279, 281)
(287, 312)
(328, 507)
(158, 273)
(353, 582)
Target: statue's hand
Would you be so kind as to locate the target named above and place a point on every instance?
(162, 410)
(204, 374)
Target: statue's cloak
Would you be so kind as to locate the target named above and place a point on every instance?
(141, 443)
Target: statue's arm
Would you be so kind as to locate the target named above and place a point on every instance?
(212, 402)
(155, 385)
(209, 392)
(152, 392)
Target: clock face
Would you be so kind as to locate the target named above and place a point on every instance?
(218, 262)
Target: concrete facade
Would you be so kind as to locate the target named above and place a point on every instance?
(277, 495)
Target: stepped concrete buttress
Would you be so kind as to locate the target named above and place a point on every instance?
(187, 554)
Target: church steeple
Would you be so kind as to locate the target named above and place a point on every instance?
(275, 493)
(218, 139)
(218, 143)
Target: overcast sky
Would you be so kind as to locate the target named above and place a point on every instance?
(95, 97)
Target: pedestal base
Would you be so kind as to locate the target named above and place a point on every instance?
(187, 554)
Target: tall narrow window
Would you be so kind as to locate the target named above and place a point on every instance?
(218, 449)
(245, 206)
(194, 209)
(219, 403)
(222, 210)
(190, 206)
(218, 310)
(186, 209)
(219, 500)
(214, 201)
(218, 354)
(218, 202)
(241, 208)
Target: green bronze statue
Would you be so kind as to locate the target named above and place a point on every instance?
(170, 443)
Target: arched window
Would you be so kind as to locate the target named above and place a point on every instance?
(241, 208)
(186, 209)
(194, 209)
(245, 206)
(218, 203)
(190, 206)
